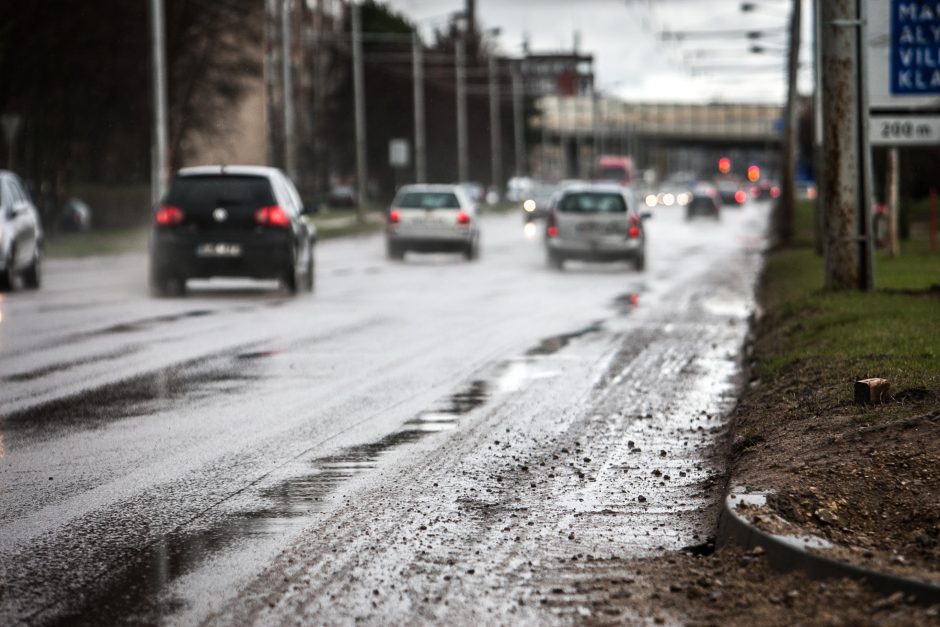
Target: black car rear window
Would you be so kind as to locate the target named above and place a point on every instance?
(428, 200)
(203, 194)
(703, 202)
(592, 202)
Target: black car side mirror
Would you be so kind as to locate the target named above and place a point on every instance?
(646, 215)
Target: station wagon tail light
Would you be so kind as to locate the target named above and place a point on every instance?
(168, 215)
(463, 218)
(552, 227)
(634, 230)
(272, 216)
(394, 216)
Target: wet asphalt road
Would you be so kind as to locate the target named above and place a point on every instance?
(427, 441)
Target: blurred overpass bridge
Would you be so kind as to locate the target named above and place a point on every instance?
(665, 137)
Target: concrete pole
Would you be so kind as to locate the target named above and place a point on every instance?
(290, 135)
(463, 141)
(894, 200)
(578, 137)
(496, 129)
(518, 118)
(843, 142)
(271, 78)
(158, 176)
(820, 220)
(786, 208)
(417, 62)
(359, 96)
(595, 142)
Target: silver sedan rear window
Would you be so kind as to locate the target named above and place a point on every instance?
(592, 202)
(428, 200)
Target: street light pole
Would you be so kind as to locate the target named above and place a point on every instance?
(159, 152)
(786, 210)
(848, 247)
(417, 60)
(518, 122)
(496, 130)
(360, 113)
(463, 159)
(290, 139)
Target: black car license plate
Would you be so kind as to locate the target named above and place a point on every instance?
(219, 250)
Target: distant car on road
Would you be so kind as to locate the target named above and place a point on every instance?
(538, 200)
(475, 191)
(21, 236)
(731, 193)
(705, 201)
(595, 222)
(341, 197)
(225, 221)
(432, 218)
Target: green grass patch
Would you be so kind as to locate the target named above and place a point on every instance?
(97, 242)
(893, 332)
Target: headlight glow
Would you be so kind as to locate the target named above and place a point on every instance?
(529, 205)
(651, 200)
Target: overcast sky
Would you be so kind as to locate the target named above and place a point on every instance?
(630, 60)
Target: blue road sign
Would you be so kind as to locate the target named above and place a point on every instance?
(915, 47)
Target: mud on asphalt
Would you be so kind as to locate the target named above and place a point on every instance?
(546, 493)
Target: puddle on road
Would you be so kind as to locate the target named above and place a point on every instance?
(139, 396)
(555, 343)
(138, 593)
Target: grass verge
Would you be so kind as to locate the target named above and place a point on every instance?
(866, 477)
(134, 239)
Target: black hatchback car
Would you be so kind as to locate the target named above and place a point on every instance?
(231, 221)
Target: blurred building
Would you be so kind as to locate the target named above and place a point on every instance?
(558, 74)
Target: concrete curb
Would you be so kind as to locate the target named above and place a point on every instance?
(787, 553)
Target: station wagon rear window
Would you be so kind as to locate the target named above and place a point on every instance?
(428, 200)
(592, 202)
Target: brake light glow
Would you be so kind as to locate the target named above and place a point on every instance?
(775, 192)
(551, 228)
(634, 230)
(740, 196)
(394, 216)
(272, 216)
(168, 215)
(463, 218)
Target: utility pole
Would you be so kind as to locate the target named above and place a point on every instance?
(518, 122)
(894, 198)
(463, 158)
(159, 151)
(290, 136)
(417, 61)
(786, 209)
(847, 182)
(271, 79)
(820, 219)
(360, 106)
(496, 129)
(321, 170)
